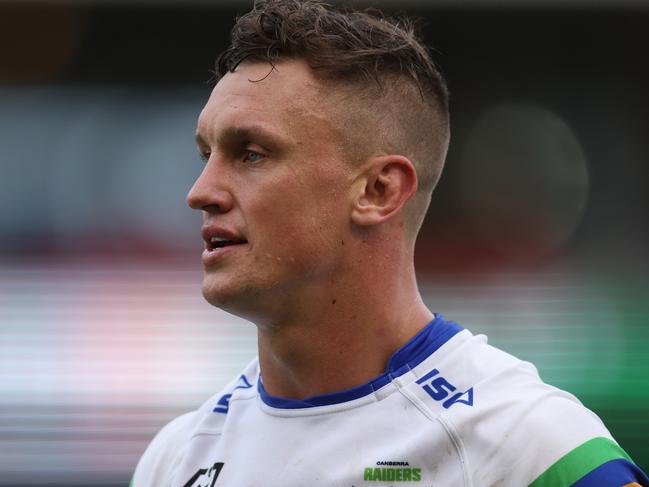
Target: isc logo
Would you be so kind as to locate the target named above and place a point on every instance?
(224, 403)
(439, 389)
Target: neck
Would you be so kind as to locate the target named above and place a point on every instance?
(345, 338)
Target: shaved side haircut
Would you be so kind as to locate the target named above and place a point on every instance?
(388, 95)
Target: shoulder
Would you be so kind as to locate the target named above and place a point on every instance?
(598, 462)
(510, 426)
(165, 452)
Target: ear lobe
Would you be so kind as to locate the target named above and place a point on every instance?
(389, 182)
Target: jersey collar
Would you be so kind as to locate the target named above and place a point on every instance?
(416, 350)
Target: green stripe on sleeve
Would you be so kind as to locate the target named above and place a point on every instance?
(578, 462)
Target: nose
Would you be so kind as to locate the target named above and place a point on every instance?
(209, 193)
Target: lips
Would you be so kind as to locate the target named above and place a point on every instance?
(221, 242)
(218, 238)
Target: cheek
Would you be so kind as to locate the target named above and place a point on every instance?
(293, 229)
(298, 224)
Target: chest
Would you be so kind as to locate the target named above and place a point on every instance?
(382, 444)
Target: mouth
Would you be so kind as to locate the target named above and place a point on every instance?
(219, 243)
(216, 243)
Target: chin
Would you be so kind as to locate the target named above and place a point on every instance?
(246, 302)
(217, 293)
(228, 295)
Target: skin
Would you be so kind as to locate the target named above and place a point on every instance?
(326, 272)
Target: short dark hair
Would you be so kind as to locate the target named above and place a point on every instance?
(336, 43)
(407, 111)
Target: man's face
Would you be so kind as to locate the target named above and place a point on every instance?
(274, 191)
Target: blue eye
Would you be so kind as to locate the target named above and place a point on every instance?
(252, 156)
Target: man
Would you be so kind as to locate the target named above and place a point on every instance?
(323, 140)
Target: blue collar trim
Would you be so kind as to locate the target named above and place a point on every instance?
(420, 347)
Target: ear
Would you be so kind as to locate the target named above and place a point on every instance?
(384, 187)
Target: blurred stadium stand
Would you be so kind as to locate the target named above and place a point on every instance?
(537, 234)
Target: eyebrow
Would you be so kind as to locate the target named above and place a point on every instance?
(233, 134)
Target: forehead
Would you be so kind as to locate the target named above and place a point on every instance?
(285, 98)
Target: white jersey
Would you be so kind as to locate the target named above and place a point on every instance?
(450, 410)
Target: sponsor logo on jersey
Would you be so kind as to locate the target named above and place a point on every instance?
(439, 389)
(390, 471)
(224, 402)
(205, 477)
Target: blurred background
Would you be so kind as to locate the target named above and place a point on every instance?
(537, 235)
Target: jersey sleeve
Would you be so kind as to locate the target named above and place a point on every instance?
(519, 431)
(599, 462)
(549, 439)
(162, 455)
